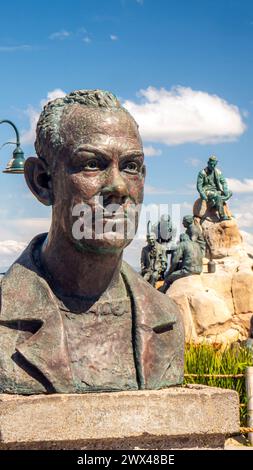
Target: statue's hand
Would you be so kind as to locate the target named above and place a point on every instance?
(204, 197)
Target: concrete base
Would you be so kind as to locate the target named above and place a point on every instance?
(177, 417)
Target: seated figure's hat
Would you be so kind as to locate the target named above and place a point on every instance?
(213, 158)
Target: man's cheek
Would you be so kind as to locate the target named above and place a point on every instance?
(136, 190)
(84, 189)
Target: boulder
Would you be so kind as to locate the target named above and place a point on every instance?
(241, 322)
(242, 291)
(201, 210)
(227, 337)
(187, 285)
(216, 307)
(221, 283)
(208, 309)
(221, 237)
(183, 303)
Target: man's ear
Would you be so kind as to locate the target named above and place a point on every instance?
(144, 171)
(38, 179)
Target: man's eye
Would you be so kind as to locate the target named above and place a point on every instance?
(92, 165)
(131, 167)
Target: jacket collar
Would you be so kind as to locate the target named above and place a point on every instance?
(27, 296)
(154, 315)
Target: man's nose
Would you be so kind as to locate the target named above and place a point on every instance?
(115, 189)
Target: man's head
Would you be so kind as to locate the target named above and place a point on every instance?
(151, 239)
(212, 162)
(188, 220)
(90, 154)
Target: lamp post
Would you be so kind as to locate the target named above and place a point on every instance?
(16, 164)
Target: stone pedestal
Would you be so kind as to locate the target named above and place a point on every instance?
(177, 417)
(223, 237)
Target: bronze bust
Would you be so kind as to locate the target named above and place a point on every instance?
(74, 317)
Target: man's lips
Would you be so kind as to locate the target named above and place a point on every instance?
(98, 212)
(115, 215)
(122, 212)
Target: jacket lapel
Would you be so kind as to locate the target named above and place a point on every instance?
(27, 297)
(154, 315)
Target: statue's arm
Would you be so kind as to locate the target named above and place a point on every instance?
(200, 186)
(164, 256)
(143, 262)
(177, 256)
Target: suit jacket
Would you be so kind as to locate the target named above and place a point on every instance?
(146, 260)
(219, 179)
(30, 321)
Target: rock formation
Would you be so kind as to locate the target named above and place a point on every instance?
(223, 237)
(217, 307)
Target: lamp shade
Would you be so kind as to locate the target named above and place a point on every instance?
(16, 164)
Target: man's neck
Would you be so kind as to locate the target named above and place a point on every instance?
(210, 170)
(85, 274)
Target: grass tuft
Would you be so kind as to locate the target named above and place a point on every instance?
(211, 359)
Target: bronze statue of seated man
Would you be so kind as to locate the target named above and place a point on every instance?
(187, 259)
(213, 188)
(74, 317)
(153, 260)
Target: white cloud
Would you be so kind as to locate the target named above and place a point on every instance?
(153, 190)
(195, 162)
(22, 47)
(242, 209)
(22, 230)
(181, 115)
(244, 219)
(113, 37)
(240, 186)
(86, 39)
(9, 251)
(151, 151)
(8, 247)
(15, 234)
(63, 34)
(52, 95)
(28, 136)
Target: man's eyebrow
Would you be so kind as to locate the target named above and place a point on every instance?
(96, 150)
(132, 153)
(91, 148)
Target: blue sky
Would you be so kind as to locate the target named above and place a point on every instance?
(192, 59)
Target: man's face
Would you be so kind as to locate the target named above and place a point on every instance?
(151, 241)
(100, 168)
(212, 164)
(187, 221)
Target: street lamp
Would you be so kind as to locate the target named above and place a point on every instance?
(16, 164)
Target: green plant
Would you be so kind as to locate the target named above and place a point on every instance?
(209, 364)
